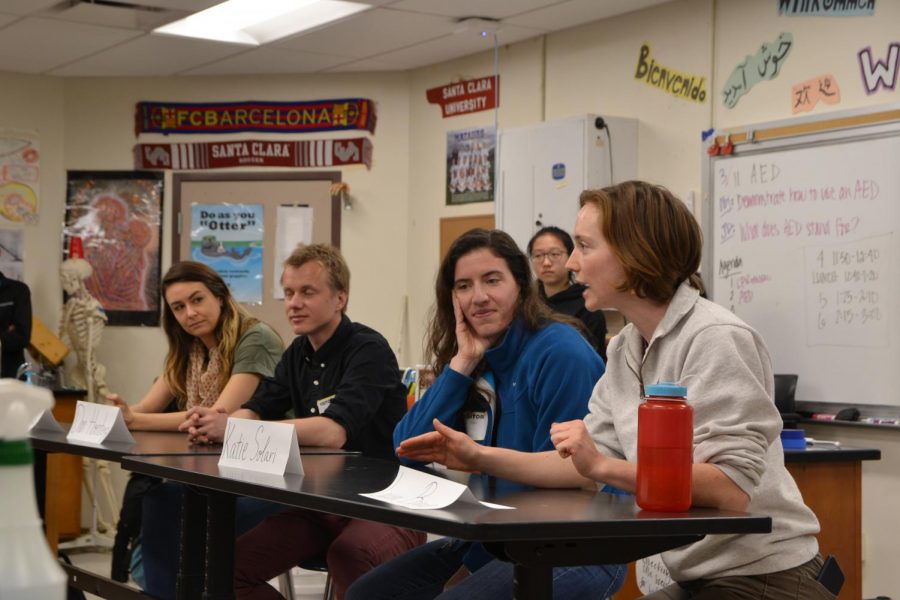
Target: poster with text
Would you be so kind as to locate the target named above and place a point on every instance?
(470, 165)
(229, 238)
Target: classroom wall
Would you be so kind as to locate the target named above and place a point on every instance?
(99, 115)
(391, 237)
(34, 103)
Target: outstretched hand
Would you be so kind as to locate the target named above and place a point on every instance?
(127, 414)
(572, 440)
(445, 446)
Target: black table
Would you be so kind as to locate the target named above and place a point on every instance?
(146, 443)
(548, 528)
(826, 453)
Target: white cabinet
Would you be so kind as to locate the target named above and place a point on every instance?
(543, 168)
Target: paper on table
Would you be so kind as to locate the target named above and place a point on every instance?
(98, 423)
(415, 489)
(46, 422)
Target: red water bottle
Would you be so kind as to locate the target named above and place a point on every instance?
(665, 449)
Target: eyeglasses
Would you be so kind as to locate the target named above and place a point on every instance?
(554, 256)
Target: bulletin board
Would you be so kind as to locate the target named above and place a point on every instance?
(270, 190)
(801, 242)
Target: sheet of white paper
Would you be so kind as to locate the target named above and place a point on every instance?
(98, 423)
(261, 446)
(46, 422)
(415, 489)
(294, 226)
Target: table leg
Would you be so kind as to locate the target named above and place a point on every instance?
(220, 537)
(532, 583)
(189, 583)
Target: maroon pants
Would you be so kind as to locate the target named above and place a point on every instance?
(350, 547)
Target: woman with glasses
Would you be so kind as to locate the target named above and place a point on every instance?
(638, 251)
(549, 250)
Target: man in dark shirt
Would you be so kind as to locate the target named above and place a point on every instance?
(15, 324)
(343, 383)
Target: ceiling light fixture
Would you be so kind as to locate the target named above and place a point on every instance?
(481, 26)
(252, 22)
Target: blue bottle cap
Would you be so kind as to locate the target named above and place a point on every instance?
(666, 388)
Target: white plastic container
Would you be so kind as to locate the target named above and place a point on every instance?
(28, 570)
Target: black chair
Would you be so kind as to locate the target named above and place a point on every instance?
(785, 388)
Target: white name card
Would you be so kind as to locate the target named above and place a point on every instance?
(46, 422)
(261, 446)
(98, 423)
(418, 490)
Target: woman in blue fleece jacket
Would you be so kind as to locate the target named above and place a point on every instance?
(508, 367)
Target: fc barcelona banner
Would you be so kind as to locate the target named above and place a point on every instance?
(271, 117)
(254, 153)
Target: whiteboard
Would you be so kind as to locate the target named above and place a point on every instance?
(800, 243)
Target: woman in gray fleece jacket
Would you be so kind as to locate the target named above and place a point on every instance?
(637, 250)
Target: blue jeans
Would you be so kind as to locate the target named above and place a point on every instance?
(161, 532)
(420, 574)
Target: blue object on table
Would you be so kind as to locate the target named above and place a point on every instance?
(793, 439)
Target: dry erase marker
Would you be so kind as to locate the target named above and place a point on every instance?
(879, 421)
(823, 417)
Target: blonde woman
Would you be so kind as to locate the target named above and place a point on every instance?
(217, 352)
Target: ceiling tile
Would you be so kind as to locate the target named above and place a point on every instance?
(453, 46)
(70, 42)
(117, 16)
(186, 5)
(366, 65)
(268, 61)
(578, 12)
(372, 32)
(474, 8)
(151, 55)
(24, 7)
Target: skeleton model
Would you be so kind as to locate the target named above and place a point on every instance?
(82, 323)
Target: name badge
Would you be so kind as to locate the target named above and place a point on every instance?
(476, 424)
(261, 446)
(46, 422)
(324, 403)
(98, 423)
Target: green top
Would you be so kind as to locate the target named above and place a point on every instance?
(258, 351)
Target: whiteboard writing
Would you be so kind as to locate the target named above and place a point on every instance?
(800, 246)
(846, 293)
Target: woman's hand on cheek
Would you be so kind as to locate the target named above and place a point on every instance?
(470, 347)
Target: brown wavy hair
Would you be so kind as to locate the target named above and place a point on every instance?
(654, 236)
(233, 323)
(441, 337)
